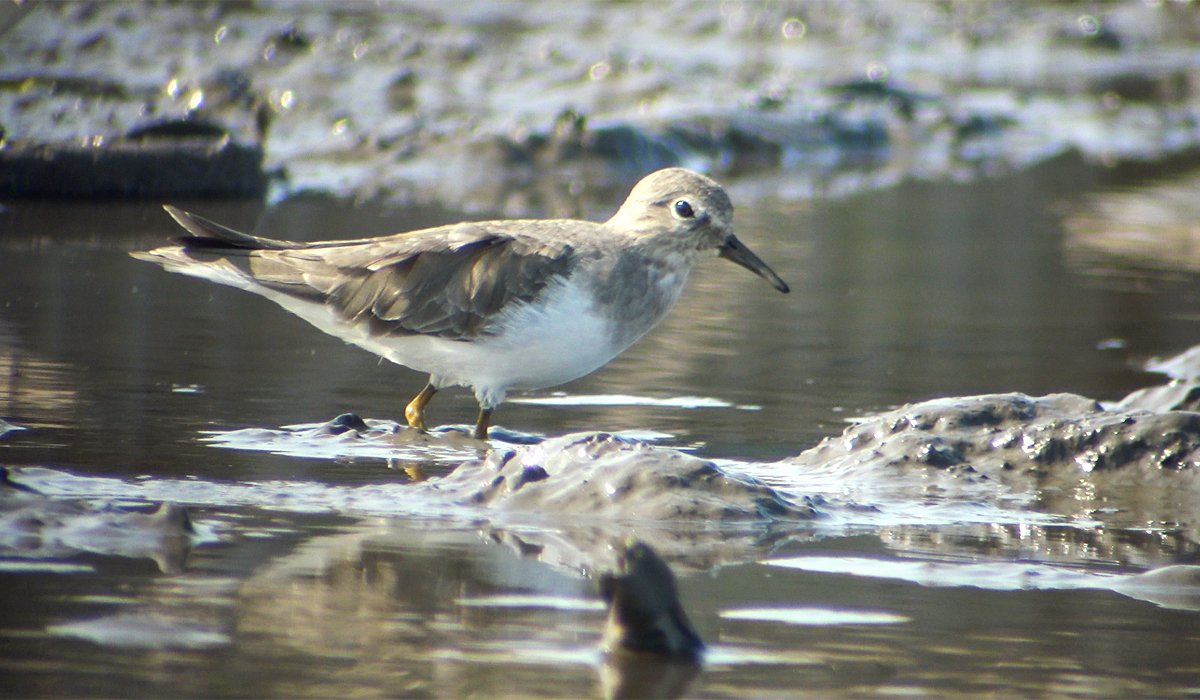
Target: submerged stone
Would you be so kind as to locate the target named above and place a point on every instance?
(644, 612)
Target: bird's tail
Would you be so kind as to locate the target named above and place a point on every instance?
(210, 251)
(220, 254)
(209, 234)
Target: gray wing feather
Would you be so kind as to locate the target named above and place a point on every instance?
(448, 293)
(449, 282)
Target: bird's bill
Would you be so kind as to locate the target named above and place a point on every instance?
(734, 250)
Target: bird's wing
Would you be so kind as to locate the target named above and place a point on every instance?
(451, 288)
(448, 282)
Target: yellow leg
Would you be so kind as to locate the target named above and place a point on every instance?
(481, 426)
(415, 411)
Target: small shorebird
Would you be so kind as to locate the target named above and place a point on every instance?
(492, 305)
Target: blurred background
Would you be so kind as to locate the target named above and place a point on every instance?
(966, 197)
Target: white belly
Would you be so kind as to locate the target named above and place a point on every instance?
(540, 346)
(536, 346)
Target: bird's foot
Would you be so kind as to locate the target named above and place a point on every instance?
(415, 417)
(414, 412)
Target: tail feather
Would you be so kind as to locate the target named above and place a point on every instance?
(207, 234)
(220, 254)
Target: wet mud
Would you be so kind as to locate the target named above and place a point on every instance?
(1001, 447)
(480, 108)
(36, 527)
(555, 517)
(610, 478)
(997, 458)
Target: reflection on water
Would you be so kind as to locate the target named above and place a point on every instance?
(1151, 227)
(814, 616)
(334, 574)
(382, 609)
(34, 391)
(1170, 587)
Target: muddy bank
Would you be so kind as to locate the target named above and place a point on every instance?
(1048, 466)
(597, 475)
(991, 458)
(36, 527)
(492, 107)
(1061, 454)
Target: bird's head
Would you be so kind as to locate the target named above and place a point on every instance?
(690, 212)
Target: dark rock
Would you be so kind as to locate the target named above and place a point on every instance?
(571, 141)
(347, 422)
(651, 650)
(981, 125)
(178, 129)
(644, 612)
(7, 483)
(904, 101)
(401, 92)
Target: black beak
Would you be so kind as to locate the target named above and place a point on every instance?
(733, 249)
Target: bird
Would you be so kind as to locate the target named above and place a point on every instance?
(494, 306)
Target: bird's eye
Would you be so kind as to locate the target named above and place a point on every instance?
(684, 210)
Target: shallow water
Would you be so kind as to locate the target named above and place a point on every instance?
(303, 583)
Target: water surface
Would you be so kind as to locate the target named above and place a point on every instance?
(119, 371)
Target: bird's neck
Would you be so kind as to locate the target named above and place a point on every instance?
(648, 289)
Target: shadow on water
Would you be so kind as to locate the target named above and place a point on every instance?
(333, 572)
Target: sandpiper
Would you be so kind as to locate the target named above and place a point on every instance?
(493, 305)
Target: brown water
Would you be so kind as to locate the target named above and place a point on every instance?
(117, 369)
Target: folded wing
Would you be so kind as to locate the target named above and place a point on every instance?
(449, 282)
